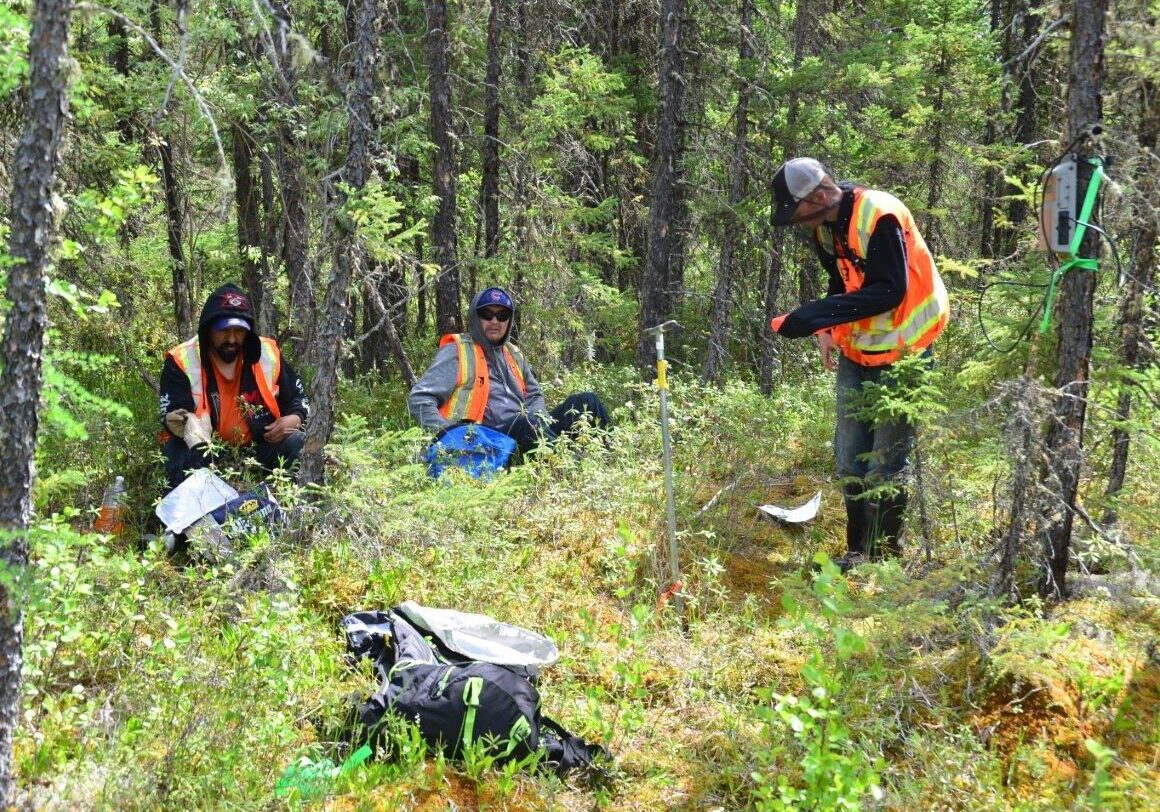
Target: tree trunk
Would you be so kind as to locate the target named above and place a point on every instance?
(930, 227)
(1073, 312)
(1133, 304)
(720, 325)
(349, 255)
(772, 286)
(32, 222)
(991, 175)
(448, 315)
(295, 225)
(394, 344)
(251, 245)
(1027, 119)
(804, 18)
(490, 184)
(174, 205)
(664, 244)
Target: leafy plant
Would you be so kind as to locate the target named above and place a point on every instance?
(835, 772)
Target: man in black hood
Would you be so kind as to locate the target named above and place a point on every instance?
(230, 381)
(481, 377)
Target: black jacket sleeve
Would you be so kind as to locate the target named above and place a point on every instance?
(175, 392)
(291, 393)
(883, 286)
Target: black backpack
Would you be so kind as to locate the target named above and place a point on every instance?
(456, 702)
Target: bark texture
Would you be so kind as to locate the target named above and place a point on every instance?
(33, 221)
(349, 255)
(1073, 311)
(251, 245)
(664, 243)
(1133, 340)
(295, 225)
(721, 322)
(489, 190)
(444, 246)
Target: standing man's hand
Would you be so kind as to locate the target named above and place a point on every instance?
(826, 345)
(282, 428)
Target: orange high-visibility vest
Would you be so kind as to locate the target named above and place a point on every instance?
(925, 308)
(266, 372)
(468, 400)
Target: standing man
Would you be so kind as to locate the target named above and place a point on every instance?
(482, 377)
(230, 381)
(885, 300)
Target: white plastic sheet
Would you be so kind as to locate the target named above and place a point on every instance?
(203, 491)
(481, 637)
(797, 515)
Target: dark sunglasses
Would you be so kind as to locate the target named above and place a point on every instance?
(494, 315)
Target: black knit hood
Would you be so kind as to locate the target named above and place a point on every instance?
(230, 300)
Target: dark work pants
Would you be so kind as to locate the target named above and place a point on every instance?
(565, 419)
(180, 459)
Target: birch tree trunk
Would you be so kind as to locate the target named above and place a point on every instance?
(33, 220)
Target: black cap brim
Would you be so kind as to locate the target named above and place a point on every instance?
(784, 214)
(786, 203)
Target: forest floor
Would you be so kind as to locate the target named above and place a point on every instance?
(154, 682)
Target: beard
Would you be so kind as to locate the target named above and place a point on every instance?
(228, 352)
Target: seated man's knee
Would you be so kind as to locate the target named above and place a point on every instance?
(180, 461)
(282, 454)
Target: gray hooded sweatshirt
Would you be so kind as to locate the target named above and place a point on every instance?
(505, 401)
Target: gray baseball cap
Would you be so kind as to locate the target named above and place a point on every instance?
(794, 180)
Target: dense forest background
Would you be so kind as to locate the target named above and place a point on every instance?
(362, 169)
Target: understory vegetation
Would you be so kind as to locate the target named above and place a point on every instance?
(362, 168)
(179, 683)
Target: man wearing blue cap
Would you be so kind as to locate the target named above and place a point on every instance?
(481, 377)
(230, 381)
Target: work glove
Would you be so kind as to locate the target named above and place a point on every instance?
(175, 422)
(776, 322)
(198, 430)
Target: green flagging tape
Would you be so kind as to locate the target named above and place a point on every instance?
(1082, 263)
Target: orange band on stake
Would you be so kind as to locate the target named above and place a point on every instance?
(667, 595)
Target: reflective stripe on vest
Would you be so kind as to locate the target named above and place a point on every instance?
(925, 308)
(468, 400)
(268, 368)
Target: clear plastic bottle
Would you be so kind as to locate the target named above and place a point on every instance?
(111, 518)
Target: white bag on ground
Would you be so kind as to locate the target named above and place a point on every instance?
(203, 491)
(482, 638)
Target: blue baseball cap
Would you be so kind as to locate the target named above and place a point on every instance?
(226, 322)
(494, 296)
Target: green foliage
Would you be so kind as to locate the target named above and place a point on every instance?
(836, 773)
(13, 48)
(909, 391)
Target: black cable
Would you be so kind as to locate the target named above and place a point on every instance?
(1026, 327)
(1050, 259)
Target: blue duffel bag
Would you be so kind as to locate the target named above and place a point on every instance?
(476, 449)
